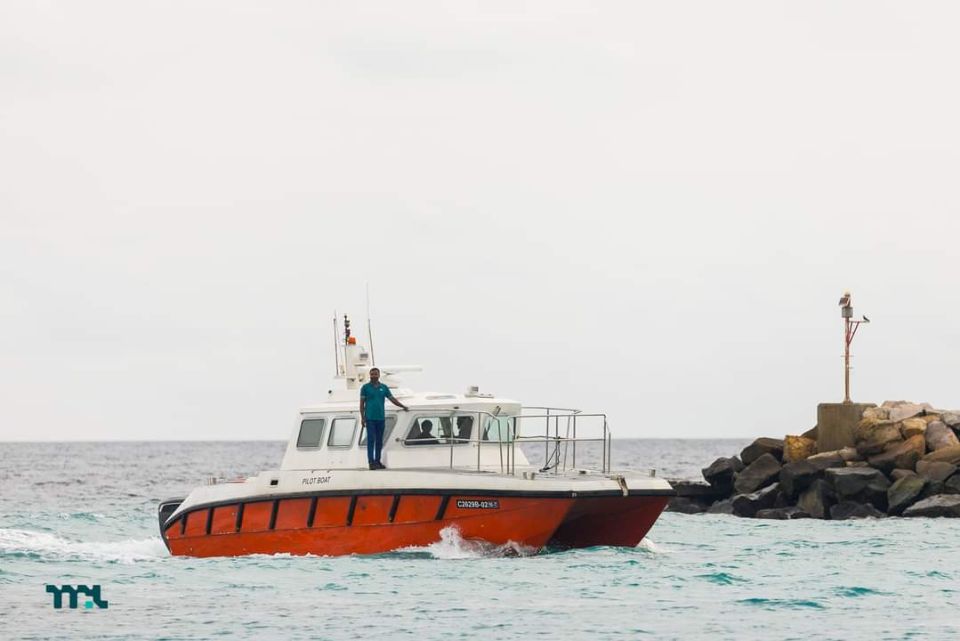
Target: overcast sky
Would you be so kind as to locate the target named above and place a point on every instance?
(649, 209)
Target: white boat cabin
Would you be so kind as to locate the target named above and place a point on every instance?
(440, 430)
(469, 430)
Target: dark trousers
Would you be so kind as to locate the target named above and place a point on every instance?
(374, 439)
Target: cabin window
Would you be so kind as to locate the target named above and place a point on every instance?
(341, 432)
(311, 432)
(498, 429)
(388, 426)
(439, 430)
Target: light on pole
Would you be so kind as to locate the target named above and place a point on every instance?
(850, 328)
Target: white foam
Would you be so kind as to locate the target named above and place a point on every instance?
(452, 545)
(51, 545)
(650, 546)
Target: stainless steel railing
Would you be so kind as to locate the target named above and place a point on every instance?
(554, 420)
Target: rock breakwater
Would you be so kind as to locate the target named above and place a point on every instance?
(904, 462)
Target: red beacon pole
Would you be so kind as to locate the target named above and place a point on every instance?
(850, 328)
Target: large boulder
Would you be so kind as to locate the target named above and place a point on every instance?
(845, 454)
(949, 454)
(941, 505)
(748, 504)
(932, 488)
(860, 484)
(720, 473)
(936, 470)
(849, 454)
(848, 482)
(903, 409)
(761, 446)
(939, 436)
(952, 485)
(904, 493)
(817, 499)
(896, 475)
(874, 436)
(951, 419)
(903, 455)
(851, 510)
(797, 448)
(880, 413)
(782, 513)
(762, 472)
(721, 507)
(686, 505)
(798, 476)
(912, 426)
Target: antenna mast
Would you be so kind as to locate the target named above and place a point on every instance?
(373, 357)
(336, 345)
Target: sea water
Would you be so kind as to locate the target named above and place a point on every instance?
(85, 513)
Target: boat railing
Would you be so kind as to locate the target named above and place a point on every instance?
(556, 428)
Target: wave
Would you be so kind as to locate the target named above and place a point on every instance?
(452, 545)
(776, 604)
(43, 545)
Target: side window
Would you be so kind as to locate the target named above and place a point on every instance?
(341, 432)
(311, 433)
(388, 425)
(425, 430)
(497, 429)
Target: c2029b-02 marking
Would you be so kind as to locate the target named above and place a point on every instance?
(471, 504)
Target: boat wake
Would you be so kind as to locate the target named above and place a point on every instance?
(650, 546)
(46, 546)
(452, 545)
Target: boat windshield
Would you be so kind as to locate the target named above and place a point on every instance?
(439, 430)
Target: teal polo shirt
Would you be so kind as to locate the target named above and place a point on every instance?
(375, 395)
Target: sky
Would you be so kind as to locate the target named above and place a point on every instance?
(648, 209)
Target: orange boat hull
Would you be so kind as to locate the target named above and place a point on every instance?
(332, 525)
(361, 524)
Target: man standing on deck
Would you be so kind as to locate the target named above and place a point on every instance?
(372, 395)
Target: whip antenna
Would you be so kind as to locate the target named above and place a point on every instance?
(373, 358)
(336, 346)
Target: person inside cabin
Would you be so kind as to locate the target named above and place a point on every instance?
(464, 427)
(373, 417)
(425, 437)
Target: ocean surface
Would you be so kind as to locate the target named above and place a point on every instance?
(85, 513)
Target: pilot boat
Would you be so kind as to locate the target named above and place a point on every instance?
(452, 461)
